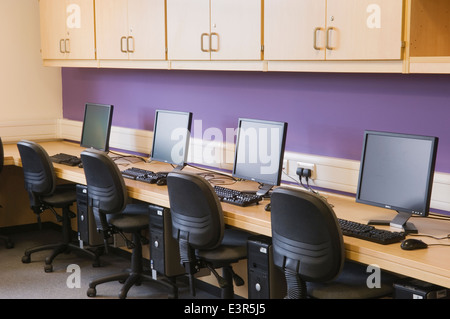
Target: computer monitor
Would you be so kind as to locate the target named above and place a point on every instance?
(97, 126)
(171, 134)
(259, 152)
(396, 173)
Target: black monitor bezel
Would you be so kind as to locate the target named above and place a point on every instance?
(188, 136)
(110, 107)
(263, 181)
(430, 173)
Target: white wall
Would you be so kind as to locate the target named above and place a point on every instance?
(30, 94)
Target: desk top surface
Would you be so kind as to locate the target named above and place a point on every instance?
(431, 265)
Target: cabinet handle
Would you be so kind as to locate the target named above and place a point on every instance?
(60, 46)
(121, 44)
(328, 38)
(128, 44)
(315, 39)
(67, 45)
(210, 42)
(201, 42)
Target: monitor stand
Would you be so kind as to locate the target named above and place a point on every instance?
(400, 221)
(264, 190)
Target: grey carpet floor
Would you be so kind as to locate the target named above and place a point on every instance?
(29, 280)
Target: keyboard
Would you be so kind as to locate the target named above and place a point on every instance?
(370, 233)
(66, 159)
(236, 197)
(144, 175)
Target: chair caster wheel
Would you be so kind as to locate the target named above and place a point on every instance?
(91, 292)
(26, 259)
(48, 268)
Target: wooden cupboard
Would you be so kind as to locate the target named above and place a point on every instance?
(214, 29)
(428, 36)
(333, 29)
(130, 29)
(67, 29)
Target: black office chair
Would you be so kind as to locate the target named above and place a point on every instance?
(108, 198)
(45, 194)
(198, 225)
(8, 242)
(308, 247)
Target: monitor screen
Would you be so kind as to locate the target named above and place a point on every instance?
(397, 172)
(97, 126)
(171, 135)
(259, 152)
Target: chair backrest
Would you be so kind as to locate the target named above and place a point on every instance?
(38, 171)
(306, 235)
(195, 210)
(2, 155)
(105, 185)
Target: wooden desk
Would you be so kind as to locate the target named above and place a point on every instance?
(431, 265)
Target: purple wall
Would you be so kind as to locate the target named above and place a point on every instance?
(327, 113)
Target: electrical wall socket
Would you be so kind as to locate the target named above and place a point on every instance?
(311, 167)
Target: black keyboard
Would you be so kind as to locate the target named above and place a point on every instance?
(66, 159)
(370, 233)
(143, 175)
(236, 197)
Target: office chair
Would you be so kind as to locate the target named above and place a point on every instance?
(45, 194)
(198, 225)
(108, 197)
(308, 247)
(8, 242)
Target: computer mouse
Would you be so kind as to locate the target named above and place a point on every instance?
(413, 244)
(80, 165)
(161, 181)
(268, 207)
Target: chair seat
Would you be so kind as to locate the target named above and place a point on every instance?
(233, 247)
(130, 223)
(64, 195)
(352, 284)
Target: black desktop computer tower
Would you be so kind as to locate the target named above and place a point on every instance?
(87, 229)
(164, 252)
(265, 280)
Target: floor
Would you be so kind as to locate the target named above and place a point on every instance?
(71, 274)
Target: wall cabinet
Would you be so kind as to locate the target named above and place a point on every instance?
(333, 29)
(214, 29)
(428, 31)
(130, 29)
(67, 29)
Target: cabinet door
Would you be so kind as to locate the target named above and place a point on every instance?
(294, 29)
(188, 29)
(236, 30)
(53, 28)
(112, 29)
(146, 22)
(364, 29)
(80, 29)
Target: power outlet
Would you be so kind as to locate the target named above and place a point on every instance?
(311, 167)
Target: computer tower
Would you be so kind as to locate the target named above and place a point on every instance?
(164, 252)
(87, 229)
(265, 280)
(416, 289)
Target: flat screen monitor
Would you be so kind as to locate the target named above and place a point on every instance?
(97, 126)
(396, 173)
(259, 152)
(171, 134)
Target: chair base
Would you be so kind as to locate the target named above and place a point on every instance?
(8, 242)
(130, 279)
(134, 276)
(59, 249)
